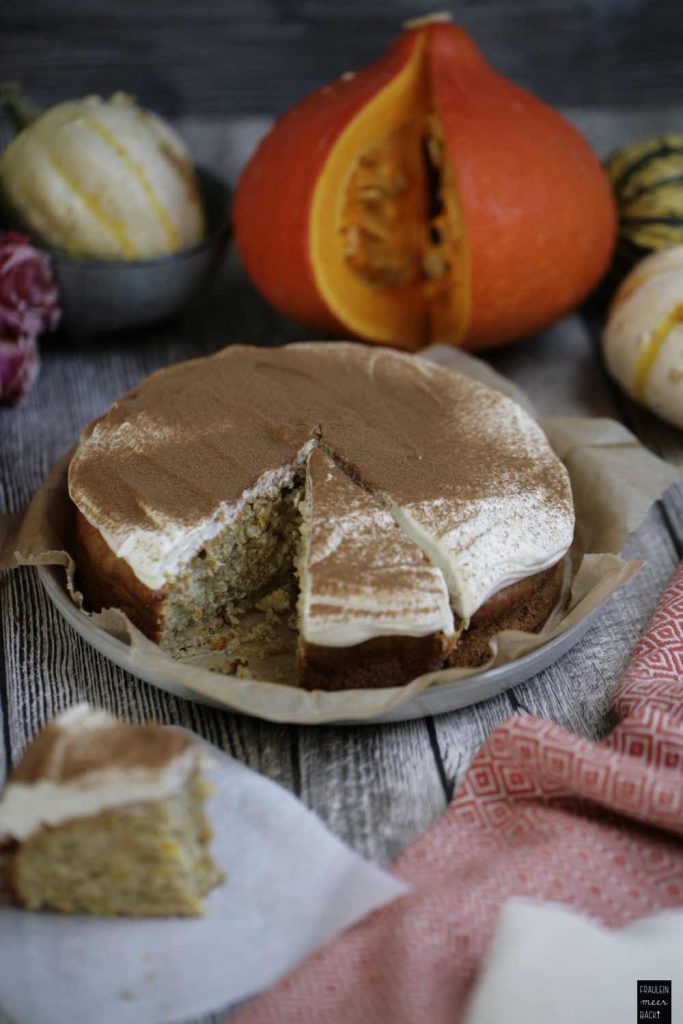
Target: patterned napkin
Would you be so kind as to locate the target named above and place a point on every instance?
(542, 813)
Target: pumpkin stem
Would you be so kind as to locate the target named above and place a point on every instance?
(19, 109)
(437, 18)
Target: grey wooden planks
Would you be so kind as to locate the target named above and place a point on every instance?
(376, 785)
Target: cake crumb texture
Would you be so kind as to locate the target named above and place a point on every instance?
(142, 860)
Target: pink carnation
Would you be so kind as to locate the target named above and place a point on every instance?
(29, 305)
(19, 367)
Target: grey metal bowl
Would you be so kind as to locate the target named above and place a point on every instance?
(106, 296)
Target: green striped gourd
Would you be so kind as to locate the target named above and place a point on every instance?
(648, 182)
(101, 179)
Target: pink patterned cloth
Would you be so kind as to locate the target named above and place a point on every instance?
(541, 813)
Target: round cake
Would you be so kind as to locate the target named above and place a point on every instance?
(376, 514)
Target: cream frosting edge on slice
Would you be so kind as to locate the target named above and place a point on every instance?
(26, 807)
(480, 571)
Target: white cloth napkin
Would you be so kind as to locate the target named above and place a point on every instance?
(291, 885)
(547, 963)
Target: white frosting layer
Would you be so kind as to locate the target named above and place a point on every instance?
(82, 716)
(649, 297)
(484, 545)
(27, 807)
(488, 550)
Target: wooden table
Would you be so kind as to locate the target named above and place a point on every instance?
(375, 786)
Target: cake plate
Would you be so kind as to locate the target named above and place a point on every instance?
(435, 700)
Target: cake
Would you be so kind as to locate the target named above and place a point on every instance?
(395, 514)
(103, 817)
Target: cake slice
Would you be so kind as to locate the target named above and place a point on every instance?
(373, 610)
(103, 817)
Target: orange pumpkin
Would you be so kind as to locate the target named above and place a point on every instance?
(425, 198)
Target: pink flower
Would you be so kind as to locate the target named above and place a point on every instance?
(19, 367)
(29, 305)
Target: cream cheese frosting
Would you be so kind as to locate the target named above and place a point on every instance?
(360, 576)
(464, 471)
(86, 761)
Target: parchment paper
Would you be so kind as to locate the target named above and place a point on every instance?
(290, 886)
(614, 479)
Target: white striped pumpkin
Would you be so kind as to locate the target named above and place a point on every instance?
(643, 339)
(103, 179)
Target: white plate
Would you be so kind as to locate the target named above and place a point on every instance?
(434, 701)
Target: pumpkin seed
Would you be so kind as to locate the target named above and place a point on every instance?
(434, 263)
(382, 241)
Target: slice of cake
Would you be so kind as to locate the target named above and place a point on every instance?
(373, 610)
(103, 817)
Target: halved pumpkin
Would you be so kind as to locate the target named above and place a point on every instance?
(425, 198)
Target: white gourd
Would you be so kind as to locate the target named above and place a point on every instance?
(103, 179)
(643, 339)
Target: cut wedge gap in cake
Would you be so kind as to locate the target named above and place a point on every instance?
(312, 565)
(236, 597)
(320, 579)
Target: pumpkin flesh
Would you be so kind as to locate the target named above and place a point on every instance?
(385, 221)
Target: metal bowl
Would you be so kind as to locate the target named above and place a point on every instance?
(106, 296)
